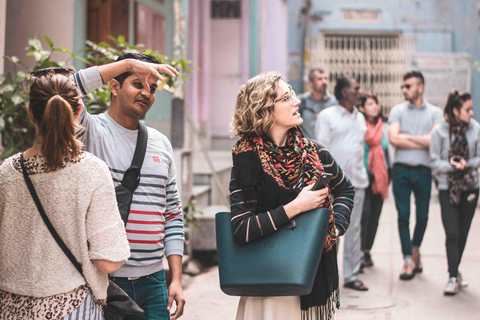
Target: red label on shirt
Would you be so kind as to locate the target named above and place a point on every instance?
(156, 159)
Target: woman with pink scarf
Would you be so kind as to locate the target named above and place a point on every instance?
(378, 168)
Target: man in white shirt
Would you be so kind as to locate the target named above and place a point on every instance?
(341, 129)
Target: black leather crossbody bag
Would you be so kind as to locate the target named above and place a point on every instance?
(131, 178)
(118, 302)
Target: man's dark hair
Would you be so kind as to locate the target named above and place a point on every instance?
(342, 83)
(137, 56)
(414, 74)
(311, 74)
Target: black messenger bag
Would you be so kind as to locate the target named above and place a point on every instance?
(131, 178)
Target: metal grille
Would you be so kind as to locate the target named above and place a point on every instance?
(376, 61)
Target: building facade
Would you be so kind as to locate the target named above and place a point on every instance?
(377, 41)
(229, 42)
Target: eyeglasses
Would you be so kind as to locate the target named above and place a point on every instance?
(287, 97)
(406, 86)
(50, 72)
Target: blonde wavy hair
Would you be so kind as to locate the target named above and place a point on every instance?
(253, 114)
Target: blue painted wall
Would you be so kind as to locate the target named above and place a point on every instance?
(438, 26)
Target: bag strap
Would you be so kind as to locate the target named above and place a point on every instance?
(49, 225)
(131, 178)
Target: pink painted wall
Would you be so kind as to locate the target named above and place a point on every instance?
(198, 87)
(3, 19)
(273, 38)
(28, 18)
(202, 52)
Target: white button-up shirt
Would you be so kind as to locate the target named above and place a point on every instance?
(343, 134)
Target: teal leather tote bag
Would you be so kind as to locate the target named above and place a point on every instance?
(283, 263)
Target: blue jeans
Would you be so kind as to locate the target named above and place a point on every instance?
(150, 292)
(405, 180)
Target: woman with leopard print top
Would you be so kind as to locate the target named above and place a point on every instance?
(37, 280)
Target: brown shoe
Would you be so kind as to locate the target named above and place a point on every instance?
(417, 260)
(407, 270)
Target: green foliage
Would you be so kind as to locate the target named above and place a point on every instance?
(477, 65)
(16, 130)
(191, 213)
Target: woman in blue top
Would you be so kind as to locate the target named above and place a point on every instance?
(377, 164)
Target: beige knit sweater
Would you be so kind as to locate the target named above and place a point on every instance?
(80, 202)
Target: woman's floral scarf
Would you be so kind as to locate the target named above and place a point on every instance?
(293, 166)
(459, 181)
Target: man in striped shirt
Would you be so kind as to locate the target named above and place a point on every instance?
(155, 223)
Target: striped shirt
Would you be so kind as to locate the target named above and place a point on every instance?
(250, 223)
(155, 223)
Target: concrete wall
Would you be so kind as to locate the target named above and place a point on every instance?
(28, 18)
(437, 25)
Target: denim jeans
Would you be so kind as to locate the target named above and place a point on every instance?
(150, 292)
(405, 180)
(457, 221)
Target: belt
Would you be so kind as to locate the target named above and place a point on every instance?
(408, 164)
(133, 278)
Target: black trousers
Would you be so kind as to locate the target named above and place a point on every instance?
(457, 221)
(372, 207)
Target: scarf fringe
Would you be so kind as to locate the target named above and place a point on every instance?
(324, 312)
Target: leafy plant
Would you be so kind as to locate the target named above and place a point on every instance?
(16, 130)
(191, 213)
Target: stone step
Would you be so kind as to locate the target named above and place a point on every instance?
(202, 195)
(202, 235)
(202, 175)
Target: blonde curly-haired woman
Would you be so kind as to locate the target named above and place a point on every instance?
(274, 168)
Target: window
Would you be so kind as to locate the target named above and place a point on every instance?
(150, 28)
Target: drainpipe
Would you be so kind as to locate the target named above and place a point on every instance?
(305, 20)
(3, 23)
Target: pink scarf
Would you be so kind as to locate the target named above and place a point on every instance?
(376, 158)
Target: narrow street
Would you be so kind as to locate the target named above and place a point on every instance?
(388, 298)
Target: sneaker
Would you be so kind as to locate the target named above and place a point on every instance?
(462, 282)
(452, 287)
(367, 259)
(417, 260)
(407, 270)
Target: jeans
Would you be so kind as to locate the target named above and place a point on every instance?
(405, 180)
(457, 221)
(150, 292)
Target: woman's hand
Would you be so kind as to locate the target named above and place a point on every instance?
(460, 165)
(306, 200)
